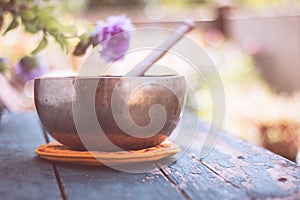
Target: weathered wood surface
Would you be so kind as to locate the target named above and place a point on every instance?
(260, 173)
(234, 170)
(254, 172)
(91, 182)
(105, 183)
(23, 175)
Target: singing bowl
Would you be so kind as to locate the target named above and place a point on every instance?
(69, 106)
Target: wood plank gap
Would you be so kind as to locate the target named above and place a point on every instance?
(60, 183)
(56, 172)
(186, 196)
(213, 171)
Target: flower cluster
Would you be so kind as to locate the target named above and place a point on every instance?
(29, 68)
(113, 35)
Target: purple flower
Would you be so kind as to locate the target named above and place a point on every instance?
(29, 68)
(114, 37)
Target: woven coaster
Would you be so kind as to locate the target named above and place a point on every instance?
(58, 152)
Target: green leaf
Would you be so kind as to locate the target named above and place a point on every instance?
(51, 24)
(31, 27)
(43, 43)
(62, 42)
(14, 24)
(85, 37)
(28, 15)
(84, 43)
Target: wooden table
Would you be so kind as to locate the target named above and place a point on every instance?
(234, 170)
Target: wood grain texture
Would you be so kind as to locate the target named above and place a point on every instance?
(256, 173)
(185, 179)
(88, 182)
(254, 170)
(83, 182)
(235, 169)
(23, 175)
(199, 182)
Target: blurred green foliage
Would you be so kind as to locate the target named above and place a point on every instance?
(35, 16)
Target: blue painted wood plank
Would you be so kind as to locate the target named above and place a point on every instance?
(105, 183)
(259, 172)
(23, 175)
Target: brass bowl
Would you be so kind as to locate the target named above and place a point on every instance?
(65, 103)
